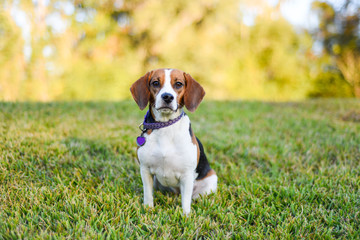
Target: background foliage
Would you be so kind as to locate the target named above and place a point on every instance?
(94, 50)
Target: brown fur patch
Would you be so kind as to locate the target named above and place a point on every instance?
(158, 75)
(194, 141)
(137, 158)
(178, 76)
(140, 90)
(210, 173)
(194, 93)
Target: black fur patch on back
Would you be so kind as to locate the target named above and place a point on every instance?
(203, 167)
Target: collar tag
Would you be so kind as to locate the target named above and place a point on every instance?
(140, 140)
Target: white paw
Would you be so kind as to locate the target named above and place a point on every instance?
(149, 204)
(186, 211)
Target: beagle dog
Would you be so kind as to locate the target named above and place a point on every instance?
(170, 156)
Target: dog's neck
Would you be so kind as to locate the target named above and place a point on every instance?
(165, 116)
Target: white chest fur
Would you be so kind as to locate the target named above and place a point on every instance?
(169, 153)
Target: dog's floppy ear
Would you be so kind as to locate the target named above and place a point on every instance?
(194, 93)
(140, 90)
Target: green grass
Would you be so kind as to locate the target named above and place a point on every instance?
(286, 170)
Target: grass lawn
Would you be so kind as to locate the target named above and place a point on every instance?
(286, 170)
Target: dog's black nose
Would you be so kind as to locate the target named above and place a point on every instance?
(167, 97)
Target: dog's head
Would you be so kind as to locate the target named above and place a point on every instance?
(167, 90)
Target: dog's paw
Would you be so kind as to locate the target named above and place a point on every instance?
(186, 212)
(151, 204)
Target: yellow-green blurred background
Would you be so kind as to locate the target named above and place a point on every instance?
(237, 49)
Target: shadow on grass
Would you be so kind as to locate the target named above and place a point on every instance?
(97, 163)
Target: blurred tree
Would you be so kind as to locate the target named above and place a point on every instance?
(106, 45)
(233, 60)
(272, 62)
(340, 37)
(196, 36)
(103, 60)
(38, 82)
(11, 57)
(272, 59)
(34, 82)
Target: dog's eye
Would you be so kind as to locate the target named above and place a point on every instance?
(178, 85)
(156, 83)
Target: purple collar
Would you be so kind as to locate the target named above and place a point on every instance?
(158, 125)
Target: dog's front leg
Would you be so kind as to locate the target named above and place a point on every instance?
(186, 188)
(147, 180)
